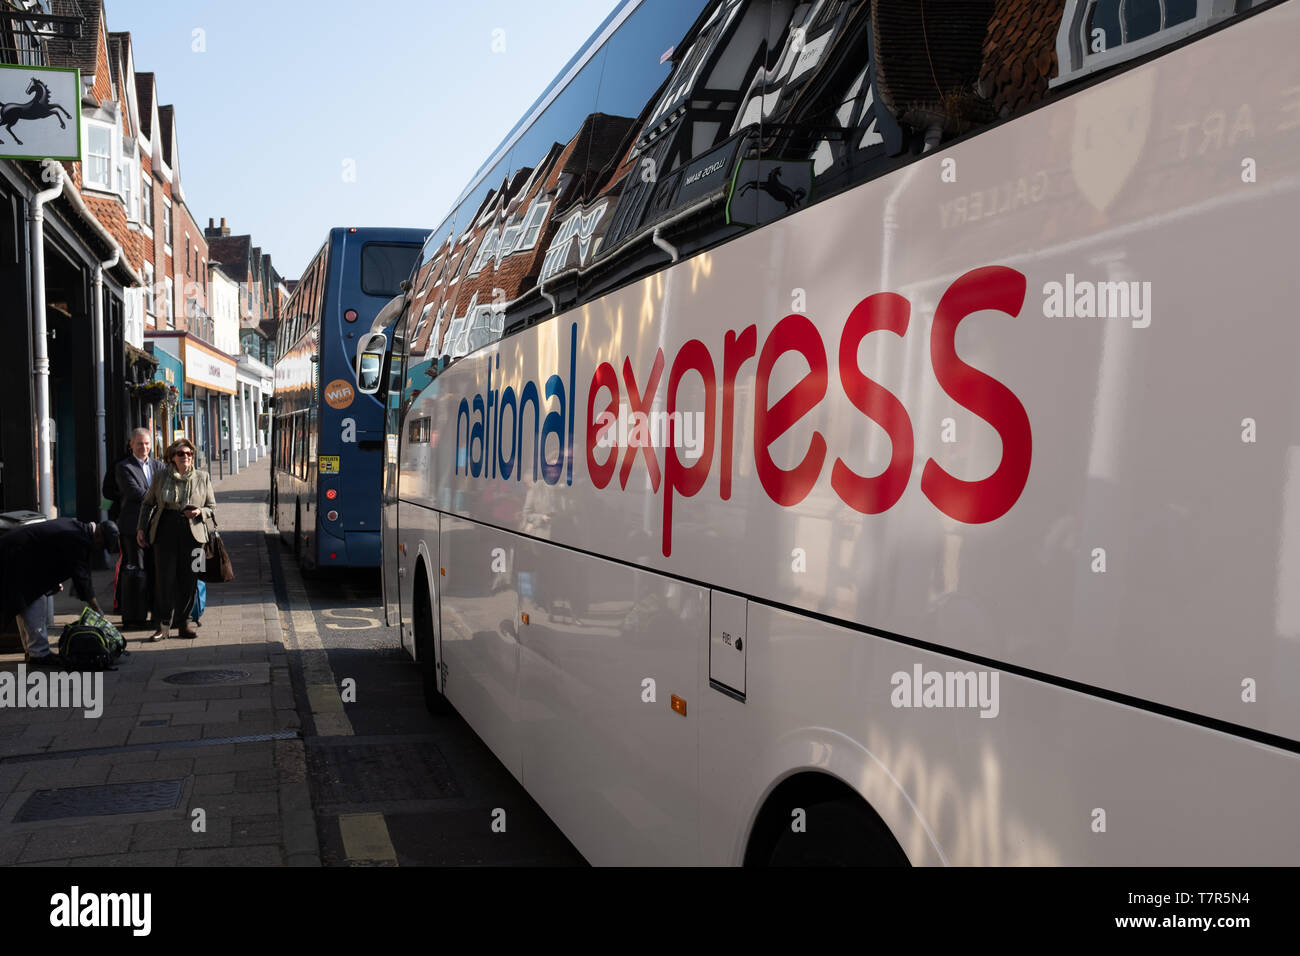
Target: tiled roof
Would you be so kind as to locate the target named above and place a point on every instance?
(232, 252)
(1020, 53)
(166, 116)
(79, 53)
(144, 93)
(116, 53)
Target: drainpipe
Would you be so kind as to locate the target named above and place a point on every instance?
(41, 365)
(541, 289)
(101, 445)
(659, 240)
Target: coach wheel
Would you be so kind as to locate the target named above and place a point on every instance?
(816, 820)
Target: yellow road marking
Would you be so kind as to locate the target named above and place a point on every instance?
(365, 837)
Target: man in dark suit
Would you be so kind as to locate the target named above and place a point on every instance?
(134, 475)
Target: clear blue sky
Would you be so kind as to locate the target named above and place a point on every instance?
(287, 90)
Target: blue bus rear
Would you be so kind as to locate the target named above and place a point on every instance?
(329, 493)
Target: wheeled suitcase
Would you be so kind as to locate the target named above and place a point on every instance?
(135, 596)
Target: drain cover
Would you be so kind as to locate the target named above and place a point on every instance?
(207, 677)
(100, 801)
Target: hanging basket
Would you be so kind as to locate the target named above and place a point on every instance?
(154, 393)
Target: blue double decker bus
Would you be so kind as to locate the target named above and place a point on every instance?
(327, 437)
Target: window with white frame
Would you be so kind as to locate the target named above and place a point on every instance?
(509, 241)
(98, 168)
(1096, 34)
(486, 250)
(424, 320)
(130, 193)
(146, 200)
(533, 223)
(150, 293)
(167, 224)
(171, 306)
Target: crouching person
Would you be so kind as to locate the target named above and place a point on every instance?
(35, 560)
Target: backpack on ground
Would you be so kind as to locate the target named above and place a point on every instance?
(112, 636)
(85, 648)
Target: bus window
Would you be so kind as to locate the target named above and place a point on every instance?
(469, 296)
(384, 266)
(551, 179)
(823, 124)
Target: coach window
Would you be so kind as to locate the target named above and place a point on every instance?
(423, 334)
(476, 218)
(551, 180)
(384, 266)
(639, 60)
(677, 170)
(824, 127)
(1096, 34)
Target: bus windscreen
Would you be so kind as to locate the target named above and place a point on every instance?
(384, 266)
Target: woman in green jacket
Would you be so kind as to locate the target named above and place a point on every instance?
(175, 515)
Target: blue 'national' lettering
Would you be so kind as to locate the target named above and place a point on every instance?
(481, 424)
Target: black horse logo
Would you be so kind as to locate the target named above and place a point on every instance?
(777, 190)
(38, 107)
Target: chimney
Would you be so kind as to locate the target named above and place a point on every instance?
(209, 222)
(225, 230)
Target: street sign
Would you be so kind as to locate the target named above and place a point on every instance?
(40, 112)
(187, 408)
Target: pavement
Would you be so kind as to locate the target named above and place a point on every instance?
(197, 758)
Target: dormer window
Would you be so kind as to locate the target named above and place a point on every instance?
(98, 168)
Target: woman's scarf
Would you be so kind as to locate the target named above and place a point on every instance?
(176, 488)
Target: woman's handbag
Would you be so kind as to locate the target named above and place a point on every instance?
(216, 560)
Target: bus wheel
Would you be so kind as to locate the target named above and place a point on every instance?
(815, 820)
(422, 614)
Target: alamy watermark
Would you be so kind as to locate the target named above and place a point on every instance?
(631, 429)
(41, 689)
(1085, 299)
(948, 689)
(77, 909)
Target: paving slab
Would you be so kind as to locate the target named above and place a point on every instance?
(253, 793)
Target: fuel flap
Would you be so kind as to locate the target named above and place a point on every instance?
(728, 616)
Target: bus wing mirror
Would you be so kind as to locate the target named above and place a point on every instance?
(370, 362)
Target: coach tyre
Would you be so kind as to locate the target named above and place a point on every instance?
(838, 828)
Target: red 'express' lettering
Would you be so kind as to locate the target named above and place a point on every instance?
(993, 287)
(975, 502)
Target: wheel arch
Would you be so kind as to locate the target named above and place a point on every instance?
(820, 764)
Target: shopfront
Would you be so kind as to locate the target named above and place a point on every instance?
(166, 423)
(207, 391)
